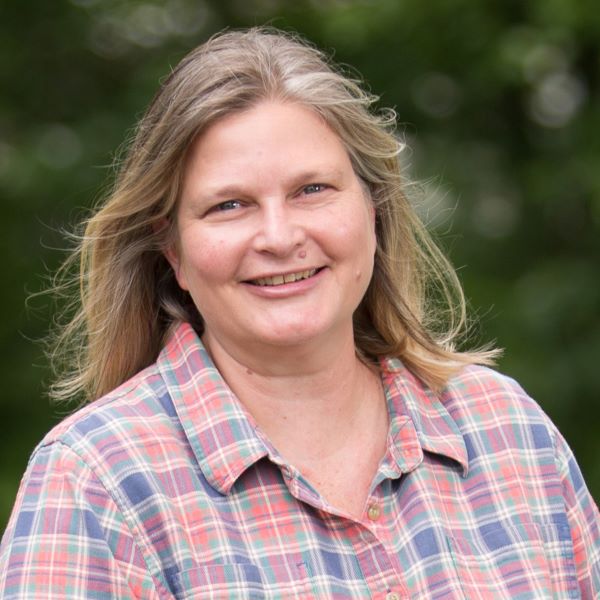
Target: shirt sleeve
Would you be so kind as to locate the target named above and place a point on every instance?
(67, 538)
(584, 520)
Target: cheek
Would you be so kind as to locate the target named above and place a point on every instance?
(358, 234)
(211, 261)
(353, 242)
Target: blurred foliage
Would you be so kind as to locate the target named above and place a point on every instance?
(498, 101)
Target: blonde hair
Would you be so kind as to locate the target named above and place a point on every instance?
(127, 300)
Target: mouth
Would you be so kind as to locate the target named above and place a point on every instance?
(281, 279)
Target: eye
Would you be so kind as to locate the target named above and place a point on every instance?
(226, 206)
(314, 188)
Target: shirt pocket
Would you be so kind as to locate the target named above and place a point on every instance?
(219, 581)
(515, 561)
(233, 581)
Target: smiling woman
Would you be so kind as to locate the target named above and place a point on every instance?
(287, 260)
(266, 337)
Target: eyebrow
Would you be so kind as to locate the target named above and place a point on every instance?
(229, 191)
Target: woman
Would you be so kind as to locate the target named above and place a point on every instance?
(281, 412)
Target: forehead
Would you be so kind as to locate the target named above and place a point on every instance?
(268, 134)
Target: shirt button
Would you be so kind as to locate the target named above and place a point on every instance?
(392, 596)
(374, 512)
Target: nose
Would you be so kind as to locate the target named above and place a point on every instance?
(279, 231)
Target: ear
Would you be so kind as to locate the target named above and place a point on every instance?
(172, 252)
(370, 203)
(373, 215)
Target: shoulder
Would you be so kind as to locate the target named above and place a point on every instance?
(493, 411)
(119, 428)
(476, 383)
(484, 390)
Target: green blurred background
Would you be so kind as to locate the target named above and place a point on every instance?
(499, 104)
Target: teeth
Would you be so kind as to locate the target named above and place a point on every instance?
(287, 278)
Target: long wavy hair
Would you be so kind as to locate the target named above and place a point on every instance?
(126, 300)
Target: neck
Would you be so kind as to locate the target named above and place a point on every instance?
(274, 362)
(304, 400)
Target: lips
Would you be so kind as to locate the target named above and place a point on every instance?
(274, 280)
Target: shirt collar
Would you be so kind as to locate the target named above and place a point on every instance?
(225, 440)
(221, 433)
(416, 412)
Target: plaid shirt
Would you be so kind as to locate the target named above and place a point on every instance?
(166, 488)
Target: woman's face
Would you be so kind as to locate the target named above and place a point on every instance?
(275, 231)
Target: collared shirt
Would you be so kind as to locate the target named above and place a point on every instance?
(166, 488)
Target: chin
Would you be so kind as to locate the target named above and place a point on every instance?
(288, 340)
(295, 334)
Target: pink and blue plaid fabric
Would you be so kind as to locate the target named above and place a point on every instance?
(166, 489)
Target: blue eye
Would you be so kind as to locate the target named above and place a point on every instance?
(314, 188)
(227, 205)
